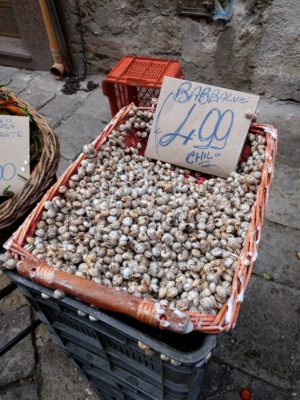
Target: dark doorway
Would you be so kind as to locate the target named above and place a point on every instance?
(23, 37)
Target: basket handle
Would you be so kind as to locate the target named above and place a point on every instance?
(144, 310)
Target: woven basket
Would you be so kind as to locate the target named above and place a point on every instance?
(143, 309)
(42, 176)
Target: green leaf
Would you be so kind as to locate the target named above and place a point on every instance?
(267, 276)
(8, 193)
(5, 84)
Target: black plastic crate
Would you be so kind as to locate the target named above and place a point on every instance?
(106, 351)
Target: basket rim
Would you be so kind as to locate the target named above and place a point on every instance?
(227, 316)
(42, 175)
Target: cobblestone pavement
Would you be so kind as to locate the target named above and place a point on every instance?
(262, 353)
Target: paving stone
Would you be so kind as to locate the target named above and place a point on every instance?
(224, 382)
(13, 301)
(263, 391)
(59, 380)
(41, 335)
(36, 97)
(62, 166)
(296, 369)
(277, 254)
(4, 280)
(97, 78)
(285, 116)
(75, 132)
(23, 392)
(96, 106)
(267, 328)
(47, 82)
(18, 363)
(62, 106)
(6, 73)
(52, 122)
(22, 79)
(283, 206)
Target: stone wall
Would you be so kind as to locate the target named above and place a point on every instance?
(257, 51)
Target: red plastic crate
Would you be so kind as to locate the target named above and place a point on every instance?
(138, 80)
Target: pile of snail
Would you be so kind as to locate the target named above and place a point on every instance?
(147, 227)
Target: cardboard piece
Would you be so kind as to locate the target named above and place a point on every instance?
(200, 127)
(14, 152)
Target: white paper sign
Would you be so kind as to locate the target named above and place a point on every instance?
(14, 152)
(200, 127)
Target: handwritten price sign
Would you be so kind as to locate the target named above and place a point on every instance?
(200, 127)
(14, 152)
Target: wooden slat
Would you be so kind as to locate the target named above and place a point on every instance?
(5, 4)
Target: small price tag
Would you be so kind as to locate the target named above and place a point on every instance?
(14, 152)
(200, 127)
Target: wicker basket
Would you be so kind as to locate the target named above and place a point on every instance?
(42, 176)
(143, 309)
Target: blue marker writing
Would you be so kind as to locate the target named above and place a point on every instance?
(7, 172)
(214, 140)
(204, 95)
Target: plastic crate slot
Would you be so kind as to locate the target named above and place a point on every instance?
(87, 345)
(112, 338)
(146, 70)
(127, 350)
(152, 376)
(124, 393)
(69, 309)
(108, 394)
(130, 395)
(73, 334)
(106, 391)
(35, 295)
(25, 292)
(145, 96)
(34, 305)
(128, 353)
(101, 375)
(137, 384)
(121, 94)
(149, 363)
(181, 370)
(182, 381)
(76, 325)
(131, 382)
(177, 387)
(88, 356)
(121, 349)
(48, 302)
(85, 356)
(94, 329)
(122, 377)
